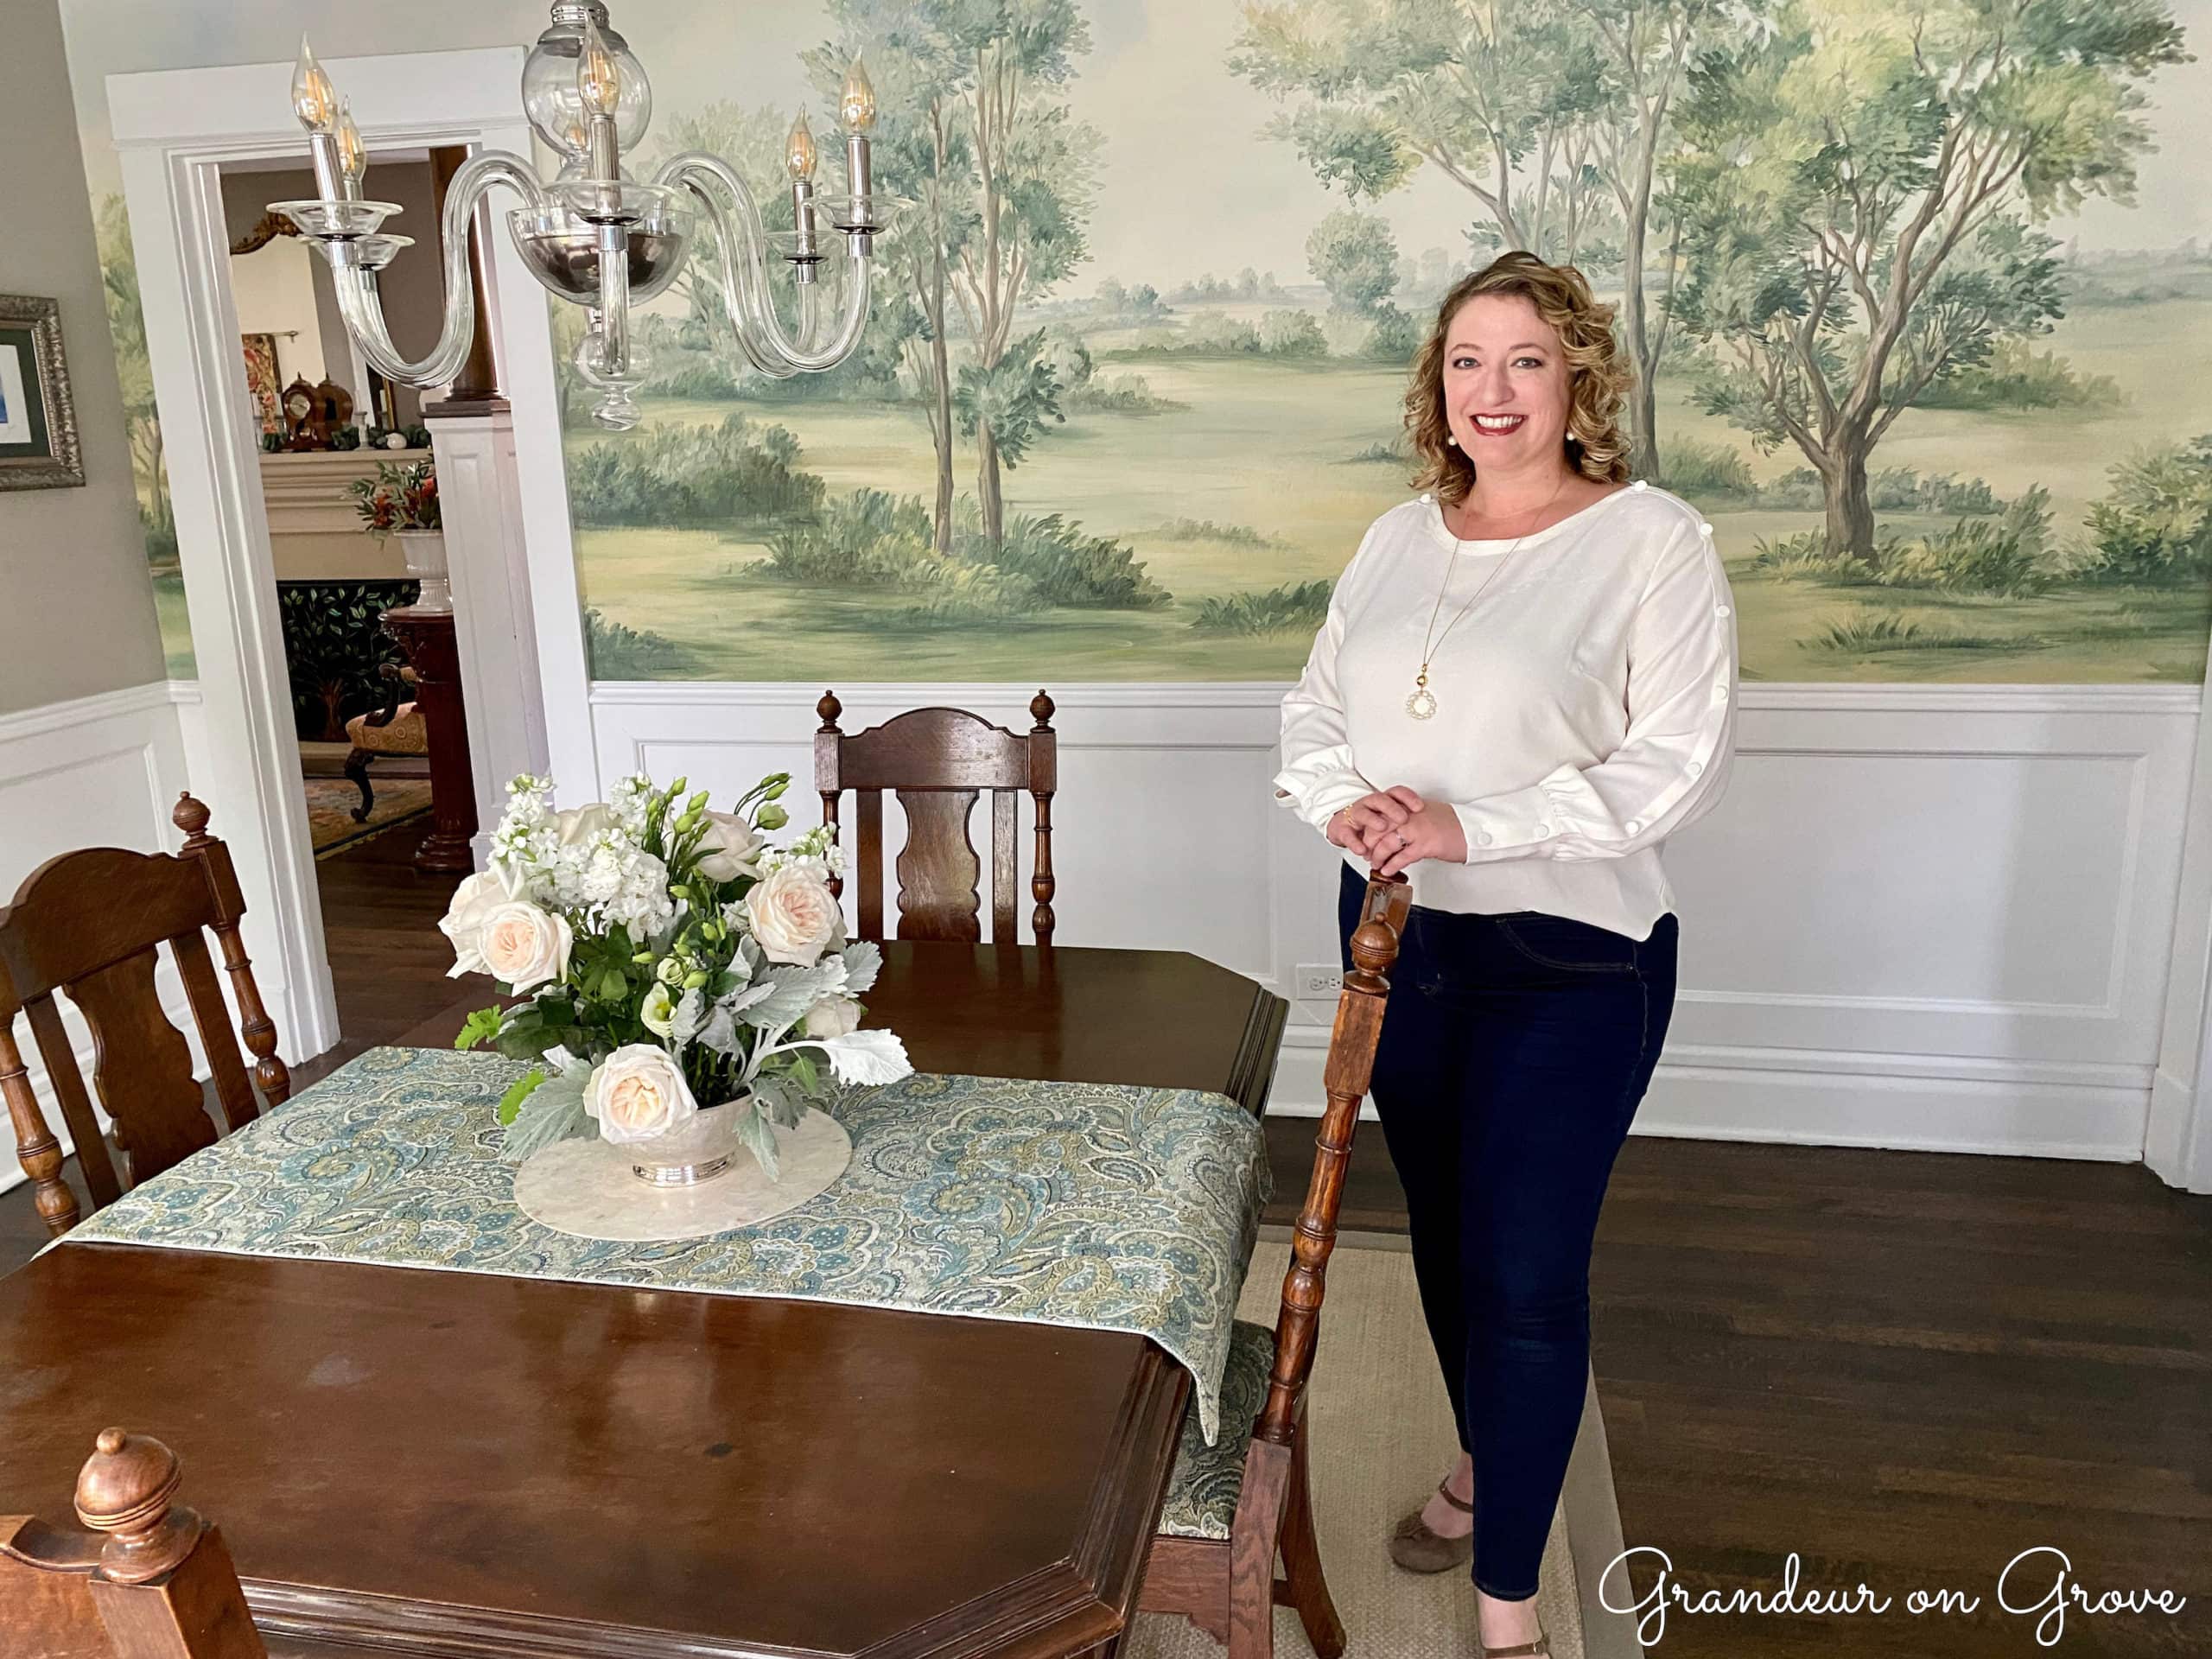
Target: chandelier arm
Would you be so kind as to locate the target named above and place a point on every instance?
(362, 306)
(761, 333)
(739, 244)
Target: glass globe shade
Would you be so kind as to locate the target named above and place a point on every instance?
(554, 108)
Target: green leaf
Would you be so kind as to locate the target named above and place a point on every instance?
(517, 1091)
(481, 1027)
(808, 1074)
(614, 985)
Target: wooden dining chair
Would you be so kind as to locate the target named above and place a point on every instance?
(938, 761)
(1234, 1507)
(149, 1581)
(88, 923)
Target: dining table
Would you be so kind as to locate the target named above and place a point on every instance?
(453, 1463)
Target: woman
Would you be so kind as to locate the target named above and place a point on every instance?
(1526, 682)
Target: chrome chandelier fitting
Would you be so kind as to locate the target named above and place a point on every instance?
(594, 235)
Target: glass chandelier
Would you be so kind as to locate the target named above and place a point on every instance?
(594, 235)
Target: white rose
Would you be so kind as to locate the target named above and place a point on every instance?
(580, 825)
(728, 849)
(473, 901)
(833, 1016)
(636, 1093)
(793, 915)
(524, 946)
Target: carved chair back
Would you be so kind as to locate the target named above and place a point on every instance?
(938, 762)
(88, 925)
(149, 1581)
(1350, 1064)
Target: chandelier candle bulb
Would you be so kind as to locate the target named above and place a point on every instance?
(352, 154)
(314, 100)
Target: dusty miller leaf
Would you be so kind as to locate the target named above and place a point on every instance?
(867, 1056)
(554, 1111)
(759, 1140)
(791, 994)
(863, 961)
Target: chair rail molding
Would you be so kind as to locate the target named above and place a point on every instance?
(1924, 916)
(173, 131)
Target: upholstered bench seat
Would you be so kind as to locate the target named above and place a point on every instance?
(1202, 1492)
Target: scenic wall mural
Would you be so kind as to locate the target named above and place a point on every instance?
(1921, 294)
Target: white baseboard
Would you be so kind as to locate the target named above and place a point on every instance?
(1897, 1102)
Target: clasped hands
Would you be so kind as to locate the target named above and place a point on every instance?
(1394, 827)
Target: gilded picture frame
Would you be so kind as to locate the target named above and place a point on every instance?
(39, 446)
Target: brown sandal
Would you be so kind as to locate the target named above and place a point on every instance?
(1416, 1548)
(1539, 1649)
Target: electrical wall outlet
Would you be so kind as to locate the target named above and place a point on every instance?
(1319, 979)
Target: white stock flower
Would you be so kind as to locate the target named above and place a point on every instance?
(833, 1016)
(524, 945)
(637, 1092)
(729, 848)
(473, 900)
(793, 915)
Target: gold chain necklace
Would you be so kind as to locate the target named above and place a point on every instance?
(1422, 705)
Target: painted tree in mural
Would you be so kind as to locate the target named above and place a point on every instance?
(1033, 173)
(1862, 186)
(1647, 47)
(1555, 119)
(920, 156)
(127, 322)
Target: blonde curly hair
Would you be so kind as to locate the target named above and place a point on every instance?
(1601, 377)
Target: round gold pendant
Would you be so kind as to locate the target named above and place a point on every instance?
(1422, 704)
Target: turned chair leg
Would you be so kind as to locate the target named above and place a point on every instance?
(1301, 1560)
(357, 768)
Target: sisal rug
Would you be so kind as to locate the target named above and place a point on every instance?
(1381, 1438)
(331, 803)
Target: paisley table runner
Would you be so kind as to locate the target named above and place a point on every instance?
(1109, 1206)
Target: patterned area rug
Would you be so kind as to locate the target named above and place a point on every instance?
(331, 802)
(1381, 1433)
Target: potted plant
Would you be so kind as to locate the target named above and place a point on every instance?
(402, 501)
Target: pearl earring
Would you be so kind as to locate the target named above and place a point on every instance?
(1454, 443)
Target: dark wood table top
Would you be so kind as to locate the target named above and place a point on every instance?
(448, 1463)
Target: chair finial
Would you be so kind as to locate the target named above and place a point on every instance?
(1041, 709)
(124, 1491)
(829, 709)
(191, 817)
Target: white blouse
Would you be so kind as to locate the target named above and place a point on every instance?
(1586, 705)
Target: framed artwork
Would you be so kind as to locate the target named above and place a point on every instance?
(262, 382)
(38, 421)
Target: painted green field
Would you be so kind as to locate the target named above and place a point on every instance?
(1267, 447)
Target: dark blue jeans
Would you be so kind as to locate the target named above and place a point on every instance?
(1515, 1051)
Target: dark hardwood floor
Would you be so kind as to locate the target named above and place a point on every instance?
(1905, 1367)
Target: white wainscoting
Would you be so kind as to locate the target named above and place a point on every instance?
(97, 771)
(1921, 917)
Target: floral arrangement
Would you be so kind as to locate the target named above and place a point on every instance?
(397, 498)
(675, 962)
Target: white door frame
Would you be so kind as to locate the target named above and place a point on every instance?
(173, 131)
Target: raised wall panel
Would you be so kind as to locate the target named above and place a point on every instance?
(1921, 916)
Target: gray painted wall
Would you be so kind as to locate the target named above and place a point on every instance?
(76, 613)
